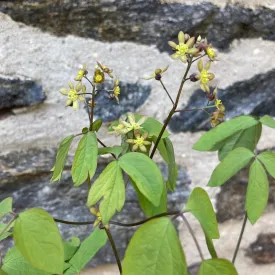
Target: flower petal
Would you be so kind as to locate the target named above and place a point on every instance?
(211, 76)
(142, 148)
(207, 65)
(175, 56)
(75, 105)
(200, 65)
(68, 103)
(142, 120)
(130, 141)
(190, 42)
(135, 147)
(64, 91)
(181, 37)
(183, 58)
(172, 44)
(71, 85)
(193, 51)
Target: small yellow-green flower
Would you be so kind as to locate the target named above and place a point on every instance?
(119, 129)
(204, 76)
(116, 90)
(81, 73)
(73, 96)
(98, 76)
(105, 69)
(184, 47)
(157, 74)
(139, 142)
(96, 213)
(131, 124)
(209, 50)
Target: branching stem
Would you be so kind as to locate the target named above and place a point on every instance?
(167, 91)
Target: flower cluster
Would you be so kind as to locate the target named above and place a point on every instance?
(139, 142)
(217, 116)
(78, 93)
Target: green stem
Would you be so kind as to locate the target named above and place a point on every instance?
(171, 113)
(92, 109)
(103, 145)
(193, 236)
(240, 239)
(111, 240)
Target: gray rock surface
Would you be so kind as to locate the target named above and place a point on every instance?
(25, 176)
(144, 21)
(19, 91)
(254, 96)
(132, 96)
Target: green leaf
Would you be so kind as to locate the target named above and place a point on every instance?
(172, 167)
(268, 121)
(152, 126)
(5, 234)
(116, 150)
(37, 238)
(87, 251)
(268, 159)
(148, 208)
(213, 139)
(61, 156)
(162, 149)
(2, 272)
(257, 191)
(97, 125)
(85, 159)
(70, 248)
(230, 165)
(155, 249)
(199, 204)
(145, 173)
(217, 267)
(110, 186)
(247, 138)
(5, 207)
(15, 264)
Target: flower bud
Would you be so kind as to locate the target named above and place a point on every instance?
(158, 77)
(193, 77)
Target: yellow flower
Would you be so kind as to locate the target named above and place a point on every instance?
(139, 142)
(209, 50)
(81, 73)
(127, 124)
(116, 90)
(96, 213)
(98, 76)
(105, 69)
(132, 124)
(157, 74)
(204, 76)
(184, 47)
(218, 115)
(73, 96)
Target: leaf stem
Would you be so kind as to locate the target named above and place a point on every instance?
(193, 235)
(111, 240)
(8, 225)
(171, 113)
(240, 239)
(103, 145)
(167, 91)
(92, 109)
(173, 213)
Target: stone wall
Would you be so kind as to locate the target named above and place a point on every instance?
(42, 45)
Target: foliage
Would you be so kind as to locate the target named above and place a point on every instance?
(155, 247)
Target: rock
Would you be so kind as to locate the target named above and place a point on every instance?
(144, 21)
(131, 97)
(25, 176)
(254, 96)
(18, 91)
(262, 251)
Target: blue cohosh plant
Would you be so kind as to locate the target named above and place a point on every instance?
(155, 248)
